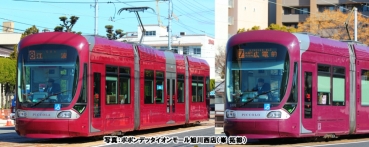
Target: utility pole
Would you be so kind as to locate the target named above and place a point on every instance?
(355, 26)
(169, 29)
(96, 9)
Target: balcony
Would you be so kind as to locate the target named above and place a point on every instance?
(330, 2)
(230, 20)
(296, 3)
(293, 18)
(230, 3)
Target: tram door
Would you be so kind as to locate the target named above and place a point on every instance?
(96, 90)
(171, 85)
(308, 98)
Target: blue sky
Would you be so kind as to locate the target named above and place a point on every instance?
(195, 17)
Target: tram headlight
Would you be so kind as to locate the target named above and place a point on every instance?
(65, 114)
(21, 113)
(230, 114)
(274, 114)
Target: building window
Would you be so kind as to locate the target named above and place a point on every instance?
(150, 33)
(185, 50)
(303, 11)
(365, 8)
(197, 51)
(175, 49)
(287, 10)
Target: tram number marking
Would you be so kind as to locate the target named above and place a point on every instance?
(32, 54)
(319, 126)
(241, 53)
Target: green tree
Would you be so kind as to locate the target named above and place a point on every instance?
(212, 84)
(254, 28)
(270, 27)
(67, 24)
(113, 35)
(29, 31)
(281, 28)
(7, 71)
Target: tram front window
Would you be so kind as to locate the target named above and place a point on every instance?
(257, 73)
(47, 74)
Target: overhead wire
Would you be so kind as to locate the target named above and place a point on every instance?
(161, 16)
(179, 23)
(191, 9)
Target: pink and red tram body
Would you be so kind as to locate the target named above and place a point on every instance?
(295, 85)
(99, 86)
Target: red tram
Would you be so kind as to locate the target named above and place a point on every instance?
(70, 85)
(294, 85)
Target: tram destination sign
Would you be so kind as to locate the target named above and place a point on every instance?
(265, 53)
(36, 55)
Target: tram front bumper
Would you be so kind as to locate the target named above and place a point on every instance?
(252, 129)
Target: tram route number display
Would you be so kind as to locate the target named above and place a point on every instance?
(53, 55)
(176, 140)
(267, 53)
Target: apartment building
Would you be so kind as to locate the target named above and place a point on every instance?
(291, 16)
(8, 38)
(195, 45)
(231, 15)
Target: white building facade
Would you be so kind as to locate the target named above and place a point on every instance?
(231, 15)
(195, 45)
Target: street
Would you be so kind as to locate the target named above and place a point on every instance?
(8, 137)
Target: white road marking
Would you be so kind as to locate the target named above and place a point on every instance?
(168, 134)
(337, 143)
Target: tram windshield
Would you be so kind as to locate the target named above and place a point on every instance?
(47, 74)
(257, 73)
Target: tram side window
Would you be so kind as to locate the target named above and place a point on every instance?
(324, 84)
(111, 85)
(308, 112)
(124, 85)
(180, 90)
(338, 79)
(149, 87)
(197, 89)
(159, 87)
(365, 87)
(97, 102)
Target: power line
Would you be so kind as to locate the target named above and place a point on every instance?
(193, 10)
(12, 28)
(202, 5)
(346, 8)
(24, 23)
